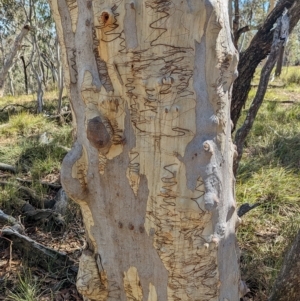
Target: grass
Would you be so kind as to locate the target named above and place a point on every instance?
(269, 174)
(24, 124)
(26, 289)
(22, 146)
(36, 145)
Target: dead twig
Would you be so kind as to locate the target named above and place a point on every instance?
(6, 167)
(60, 115)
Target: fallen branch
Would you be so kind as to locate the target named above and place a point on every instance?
(16, 105)
(5, 176)
(60, 115)
(53, 186)
(40, 214)
(8, 220)
(6, 167)
(31, 214)
(38, 254)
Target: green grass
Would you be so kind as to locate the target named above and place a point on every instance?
(21, 143)
(269, 173)
(27, 289)
(24, 124)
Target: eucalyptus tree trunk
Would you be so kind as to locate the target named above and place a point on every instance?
(38, 71)
(60, 77)
(10, 58)
(271, 5)
(151, 167)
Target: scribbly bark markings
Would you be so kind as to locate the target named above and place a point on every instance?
(152, 165)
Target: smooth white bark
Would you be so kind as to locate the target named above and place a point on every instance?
(151, 167)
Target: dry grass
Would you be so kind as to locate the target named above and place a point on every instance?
(269, 173)
(21, 146)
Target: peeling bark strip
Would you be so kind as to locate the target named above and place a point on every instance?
(152, 164)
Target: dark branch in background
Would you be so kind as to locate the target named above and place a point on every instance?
(25, 73)
(280, 37)
(258, 50)
(6, 167)
(236, 21)
(245, 208)
(239, 33)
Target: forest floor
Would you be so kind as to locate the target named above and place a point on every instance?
(269, 174)
(34, 145)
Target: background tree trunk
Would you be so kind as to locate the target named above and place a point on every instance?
(271, 5)
(281, 33)
(9, 60)
(25, 73)
(151, 167)
(287, 285)
(258, 50)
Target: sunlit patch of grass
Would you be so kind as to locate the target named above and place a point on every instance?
(26, 99)
(50, 164)
(19, 99)
(37, 160)
(10, 152)
(268, 230)
(269, 173)
(40, 159)
(8, 194)
(63, 136)
(291, 75)
(24, 124)
(22, 147)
